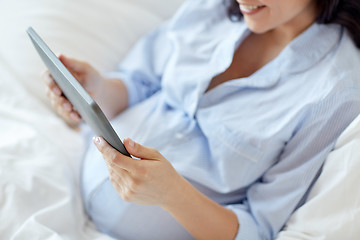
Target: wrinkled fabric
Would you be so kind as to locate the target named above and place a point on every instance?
(254, 145)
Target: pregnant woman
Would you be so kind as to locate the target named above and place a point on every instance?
(231, 109)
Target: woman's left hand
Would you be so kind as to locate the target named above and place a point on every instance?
(151, 179)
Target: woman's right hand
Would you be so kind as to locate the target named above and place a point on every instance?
(87, 76)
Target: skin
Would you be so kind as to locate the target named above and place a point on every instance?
(141, 180)
(285, 17)
(273, 28)
(104, 91)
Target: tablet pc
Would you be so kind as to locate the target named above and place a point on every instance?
(77, 95)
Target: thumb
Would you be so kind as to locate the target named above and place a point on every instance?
(140, 151)
(72, 64)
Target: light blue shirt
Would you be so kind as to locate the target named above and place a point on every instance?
(254, 145)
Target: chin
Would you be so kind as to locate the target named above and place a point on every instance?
(258, 26)
(257, 29)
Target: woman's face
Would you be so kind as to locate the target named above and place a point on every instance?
(265, 15)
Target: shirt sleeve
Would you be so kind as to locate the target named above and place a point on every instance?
(271, 200)
(143, 67)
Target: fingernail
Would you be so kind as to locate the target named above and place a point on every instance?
(57, 91)
(96, 140)
(67, 106)
(74, 116)
(131, 143)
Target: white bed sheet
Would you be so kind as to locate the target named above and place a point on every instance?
(39, 162)
(39, 154)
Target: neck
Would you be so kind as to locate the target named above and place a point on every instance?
(285, 33)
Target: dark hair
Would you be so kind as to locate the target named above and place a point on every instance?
(343, 12)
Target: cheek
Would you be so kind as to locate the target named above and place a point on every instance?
(276, 14)
(293, 8)
(270, 2)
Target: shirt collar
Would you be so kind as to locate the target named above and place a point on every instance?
(300, 54)
(309, 47)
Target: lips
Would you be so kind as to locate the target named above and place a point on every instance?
(250, 9)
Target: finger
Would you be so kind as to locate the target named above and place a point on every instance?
(140, 151)
(119, 176)
(124, 184)
(48, 91)
(117, 169)
(112, 156)
(73, 64)
(58, 99)
(75, 116)
(117, 181)
(63, 107)
(124, 192)
(49, 81)
(54, 100)
(68, 107)
(46, 77)
(77, 68)
(55, 88)
(67, 111)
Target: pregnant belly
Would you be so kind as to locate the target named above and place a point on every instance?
(124, 220)
(117, 218)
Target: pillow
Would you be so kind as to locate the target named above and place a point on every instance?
(332, 210)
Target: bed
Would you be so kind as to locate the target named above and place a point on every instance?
(40, 155)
